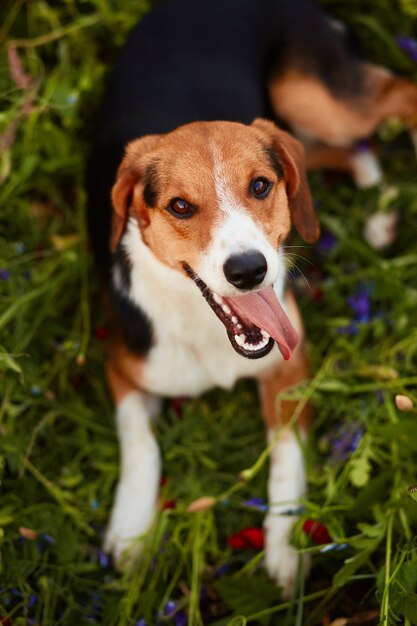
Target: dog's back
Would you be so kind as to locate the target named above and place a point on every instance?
(188, 61)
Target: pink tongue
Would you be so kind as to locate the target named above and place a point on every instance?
(264, 310)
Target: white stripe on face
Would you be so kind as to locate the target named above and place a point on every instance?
(226, 201)
(236, 233)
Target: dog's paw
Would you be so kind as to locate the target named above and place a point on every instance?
(281, 558)
(130, 519)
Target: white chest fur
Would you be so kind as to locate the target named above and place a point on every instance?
(192, 352)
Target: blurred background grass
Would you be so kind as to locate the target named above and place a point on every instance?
(58, 448)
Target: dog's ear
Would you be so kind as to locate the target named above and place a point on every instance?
(290, 153)
(127, 192)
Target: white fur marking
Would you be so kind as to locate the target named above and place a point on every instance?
(227, 202)
(286, 485)
(366, 169)
(138, 485)
(235, 234)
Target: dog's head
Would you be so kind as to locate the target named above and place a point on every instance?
(215, 200)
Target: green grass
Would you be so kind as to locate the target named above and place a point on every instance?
(58, 449)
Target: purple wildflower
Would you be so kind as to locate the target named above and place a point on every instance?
(326, 243)
(379, 394)
(5, 274)
(409, 45)
(169, 608)
(16, 592)
(256, 503)
(44, 539)
(360, 303)
(103, 559)
(180, 618)
(222, 570)
(363, 146)
(344, 441)
(32, 600)
(351, 329)
(140, 622)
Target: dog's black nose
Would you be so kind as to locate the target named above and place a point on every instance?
(247, 270)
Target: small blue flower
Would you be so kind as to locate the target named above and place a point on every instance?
(326, 243)
(16, 592)
(362, 146)
(350, 329)
(32, 600)
(408, 44)
(379, 394)
(344, 440)
(48, 538)
(180, 618)
(169, 607)
(35, 390)
(103, 559)
(256, 503)
(360, 303)
(5, 274)
(140, 622)
(223, 569)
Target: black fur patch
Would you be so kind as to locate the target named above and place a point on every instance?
(150, 192)
(274, 161)
(308, 40)
(135, 325)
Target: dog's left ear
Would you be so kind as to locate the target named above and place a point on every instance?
(290, 153)
(127, 192)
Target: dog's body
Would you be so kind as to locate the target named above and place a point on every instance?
(203, 210)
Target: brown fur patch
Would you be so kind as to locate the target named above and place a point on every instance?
(311, 109)
(123, 369)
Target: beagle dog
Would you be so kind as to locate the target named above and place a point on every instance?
(204, 195)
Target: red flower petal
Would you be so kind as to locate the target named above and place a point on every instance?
(252, 538)
(101, 332)
(317, 531)
(236, 542)
(169, 504)
(177, 405)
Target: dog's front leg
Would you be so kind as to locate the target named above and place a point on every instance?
(287, 477)
(140, 466)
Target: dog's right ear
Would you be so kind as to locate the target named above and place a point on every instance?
(291, 154)
(127, 192)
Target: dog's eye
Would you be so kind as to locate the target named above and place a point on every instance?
(260, 187)
(181, 208)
